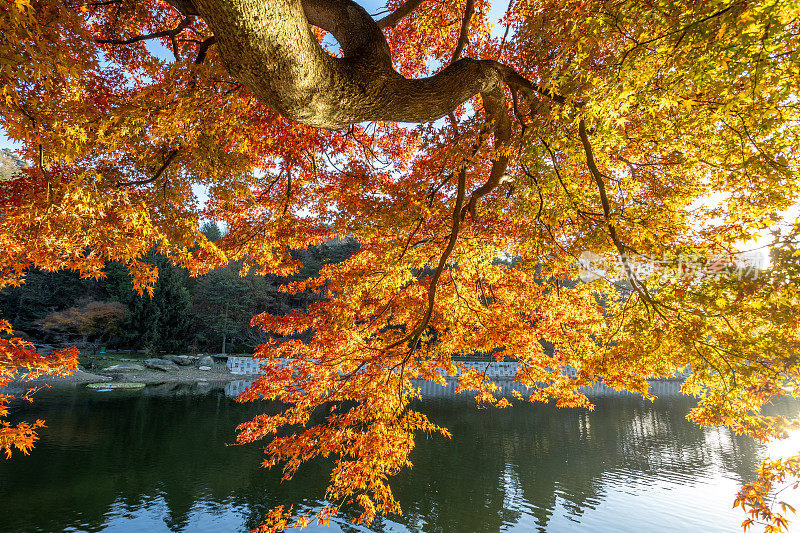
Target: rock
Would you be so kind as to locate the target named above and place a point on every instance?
(160, 364)
(183, 360)
(124, 367)
(204, 368)
(88, 377)
(206, 361)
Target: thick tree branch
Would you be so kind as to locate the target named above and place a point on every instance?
(186, 7)
(495, 106)
(391, 20)
(306, 84)
(598, 178)
(202, 49)
(270, 47)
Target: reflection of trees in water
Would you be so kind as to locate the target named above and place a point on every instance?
(526, 459)
(131, 451)
(127, 451)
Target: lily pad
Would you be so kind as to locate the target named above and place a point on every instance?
(115, 385)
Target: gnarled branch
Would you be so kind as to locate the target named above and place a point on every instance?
(495, 105)
(306, 84)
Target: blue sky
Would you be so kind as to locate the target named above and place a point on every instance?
(5, 142)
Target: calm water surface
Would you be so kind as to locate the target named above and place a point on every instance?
(160, 460)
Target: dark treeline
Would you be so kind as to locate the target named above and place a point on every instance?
(209, 313)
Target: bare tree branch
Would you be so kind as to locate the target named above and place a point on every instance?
(598, 176)
(172, 34)
(463, 36)
(640, 289)
(391, 20)
(494, 104)
(508, 26)
(170, 158)
(186, 7)
(288, 189)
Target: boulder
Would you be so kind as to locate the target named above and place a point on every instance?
(161, 364)
(124, 367)
(206, 361)
(204, 368)
(183, 360)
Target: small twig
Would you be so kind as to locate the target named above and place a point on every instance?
(508, 26)
(44, 172)
(159, 172)
(288, 189)
(538, 188)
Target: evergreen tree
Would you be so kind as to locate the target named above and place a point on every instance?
(222, 302)
(211, 230)
(161, 322)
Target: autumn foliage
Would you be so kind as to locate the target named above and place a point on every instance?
(651, 132)
(19, 356)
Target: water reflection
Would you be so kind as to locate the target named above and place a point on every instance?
(160, 460)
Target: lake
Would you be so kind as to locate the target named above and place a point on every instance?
(161, 459)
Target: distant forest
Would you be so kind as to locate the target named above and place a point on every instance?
(209, 313)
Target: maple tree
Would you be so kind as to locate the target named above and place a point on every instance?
(93, 318)
(575, 126)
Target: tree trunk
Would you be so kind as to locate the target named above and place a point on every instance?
(225, 328)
